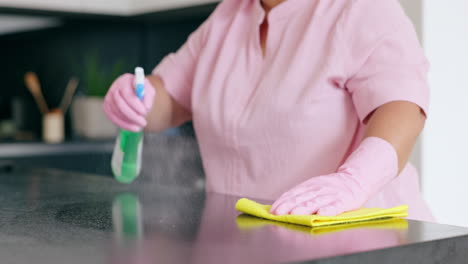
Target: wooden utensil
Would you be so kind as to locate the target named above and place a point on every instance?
(32, 82)
(69, 92)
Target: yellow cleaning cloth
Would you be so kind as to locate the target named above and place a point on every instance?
(248, 222)
(365, 214)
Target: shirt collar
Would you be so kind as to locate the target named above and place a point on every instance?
(284, 10)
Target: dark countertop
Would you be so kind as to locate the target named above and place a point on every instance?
(50, 216)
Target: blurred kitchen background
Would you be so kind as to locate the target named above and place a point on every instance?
(95, 41)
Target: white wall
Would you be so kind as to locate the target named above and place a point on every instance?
(43, 4)
(440, 154)
(445, 139)
(13, 23)
(116, 7)
(144, 6)
(413, 9)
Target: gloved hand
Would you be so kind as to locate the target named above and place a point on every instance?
(124, 108)
(367, 170)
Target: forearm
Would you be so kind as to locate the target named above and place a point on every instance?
(400, 124)
(166, 112)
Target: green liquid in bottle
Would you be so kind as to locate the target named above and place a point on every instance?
(126, 159)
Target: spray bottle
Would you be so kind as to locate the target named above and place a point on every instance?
(126, 159)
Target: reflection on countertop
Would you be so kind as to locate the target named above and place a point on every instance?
(60, 217)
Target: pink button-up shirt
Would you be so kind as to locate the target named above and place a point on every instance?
(267, 123)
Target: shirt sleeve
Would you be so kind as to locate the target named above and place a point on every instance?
(385, 61)
(177, 69)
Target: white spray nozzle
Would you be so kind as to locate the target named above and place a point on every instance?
(140, 82)
(139, 76)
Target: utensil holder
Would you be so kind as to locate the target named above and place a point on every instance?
(53, 127)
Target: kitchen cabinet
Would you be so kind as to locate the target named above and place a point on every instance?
(106, 7)
(173, 160)
(84, 157)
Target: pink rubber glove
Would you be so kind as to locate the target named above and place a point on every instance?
(367, 170)
(123, 107)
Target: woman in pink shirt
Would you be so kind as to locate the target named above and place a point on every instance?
(313, 104)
